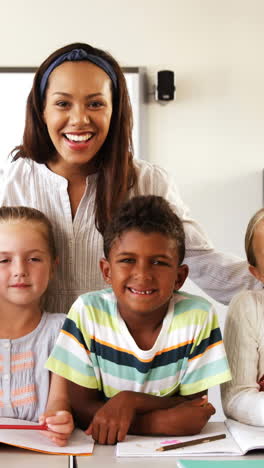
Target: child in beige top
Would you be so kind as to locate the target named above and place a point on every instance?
(243, 396)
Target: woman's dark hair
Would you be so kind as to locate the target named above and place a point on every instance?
(114, 161)
(147, 214)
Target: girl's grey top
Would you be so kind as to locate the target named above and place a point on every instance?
(24, 382)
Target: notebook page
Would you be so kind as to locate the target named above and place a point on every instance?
(247, 437)
(78, 444)
(143, 446)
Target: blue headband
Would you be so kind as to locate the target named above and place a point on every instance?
(74, 56)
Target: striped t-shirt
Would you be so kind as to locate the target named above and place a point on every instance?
(96, 350)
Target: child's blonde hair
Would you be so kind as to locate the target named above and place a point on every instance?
(10, 214)
(253, 223)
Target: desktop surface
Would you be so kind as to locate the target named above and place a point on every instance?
(14, 457)
(104, 456)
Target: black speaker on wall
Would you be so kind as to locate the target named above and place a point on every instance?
(165, 85)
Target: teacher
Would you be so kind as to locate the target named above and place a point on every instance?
(76, 165)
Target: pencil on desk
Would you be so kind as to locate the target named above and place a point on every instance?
(202, 440)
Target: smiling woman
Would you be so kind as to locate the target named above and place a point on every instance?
(77, 113)
(15, 85)
(76, 165)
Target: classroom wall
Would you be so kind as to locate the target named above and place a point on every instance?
(211, 137)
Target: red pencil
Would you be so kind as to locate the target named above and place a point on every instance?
(38, 427)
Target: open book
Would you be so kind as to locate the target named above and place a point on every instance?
(78, 444)
(240, 439)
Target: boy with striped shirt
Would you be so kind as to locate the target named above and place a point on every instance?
(141, 355)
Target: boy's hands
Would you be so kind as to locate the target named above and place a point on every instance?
(60, 426)
(187, 418)
(119, 415)
(112, 421)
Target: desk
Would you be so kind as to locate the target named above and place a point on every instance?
(13, 457)
(104, 457)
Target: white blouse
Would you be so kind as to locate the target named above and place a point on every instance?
(80, 245)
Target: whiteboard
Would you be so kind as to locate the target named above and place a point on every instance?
(15, 85)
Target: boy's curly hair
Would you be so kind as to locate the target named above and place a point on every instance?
(147, 214)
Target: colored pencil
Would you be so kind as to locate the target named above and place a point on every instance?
(38, 427)
(202, 440)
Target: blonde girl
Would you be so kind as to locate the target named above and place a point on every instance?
(27, 333)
